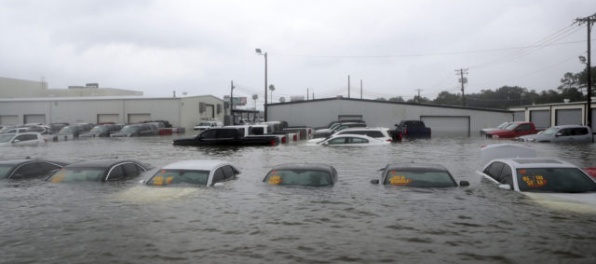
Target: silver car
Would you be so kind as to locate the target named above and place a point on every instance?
(562, 133)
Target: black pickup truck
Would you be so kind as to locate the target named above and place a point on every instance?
(410, 129)
(234, 136)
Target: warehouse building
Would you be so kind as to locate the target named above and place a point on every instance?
(183, 112)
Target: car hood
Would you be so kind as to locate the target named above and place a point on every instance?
(537, 137)
(499, 131)
(583, 202)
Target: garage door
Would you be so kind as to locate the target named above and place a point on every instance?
(108, 118)
(35, 119)
(9, 120)
(568, 117)
(519, 116)
(541, 118)
(137, 118)
(448, 125)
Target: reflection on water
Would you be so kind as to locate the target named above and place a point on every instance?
(249, 221)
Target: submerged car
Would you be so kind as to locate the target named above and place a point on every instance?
(72, 131)
(22, 139)
(104, 130)
(544, 178)
(350, 140)
(302, 174)
(426, 175)
(562, 133)
(194, 172)
(138, 130)
(105, 170)
(23, 169)
(381, 133)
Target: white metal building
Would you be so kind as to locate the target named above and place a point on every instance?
(443, 120)
(183, 112)
(548, 115)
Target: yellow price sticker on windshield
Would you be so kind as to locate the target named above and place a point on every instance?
(536, 181)
(275, 180)
(399, 180)
(58, 177)
(157, 180)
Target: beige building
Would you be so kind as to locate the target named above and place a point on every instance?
(17, 88)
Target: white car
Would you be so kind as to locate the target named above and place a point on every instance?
(194, 172)
(352, 140)
(381, 133)
(542, 179)
(22, 139)
(563, 133)
(207, 125)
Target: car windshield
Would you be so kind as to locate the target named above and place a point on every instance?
(78, 174)
(98, 129)
(511, 126)
(550, 131)
(65, 130)
(204, 124)
(503, 125)
(413, 177)
(5, 169)
(5, 137)
(129, 129)
(299, 177)
(561, 180)
(167, 177)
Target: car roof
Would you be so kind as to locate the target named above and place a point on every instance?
(528, 163)
(416, 165)
(197, 165)
(303, 166)
(21, 161)
(100, 163)
(568, 126)
(364, 128)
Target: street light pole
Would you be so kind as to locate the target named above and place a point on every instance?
(265, 106)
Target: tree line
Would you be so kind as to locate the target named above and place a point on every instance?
(573, 87)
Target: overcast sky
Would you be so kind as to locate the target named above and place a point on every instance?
(394, 47)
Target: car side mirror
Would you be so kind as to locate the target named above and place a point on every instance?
(505, 186)
(464, 183)
(558, 134)
(375, 181)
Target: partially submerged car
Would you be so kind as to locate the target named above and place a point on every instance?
(23, 169)
(104, 170)
(104, 130)
(352, 140)
(138, 130)
(302, 174)
(503, 125)
(72, 131)
(543, 178)
(194, 172)
(425, 175)
(561, 134)
(22, 139)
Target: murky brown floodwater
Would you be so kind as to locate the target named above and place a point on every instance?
(246, 221)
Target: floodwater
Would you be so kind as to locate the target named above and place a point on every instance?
(246, 221)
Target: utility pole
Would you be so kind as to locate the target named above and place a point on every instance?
(419, 94)
(462, 80)
(306, 94)
(589, 22)
(232, 98)
(360, 89)
(348, 86)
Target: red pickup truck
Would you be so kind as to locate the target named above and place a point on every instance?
(514, 129)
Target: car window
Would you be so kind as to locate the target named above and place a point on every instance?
(116, 174)
(34, 170)
(355, 140)
(494, 170)
(299, 177)
(167, 177)
(507, 175)
(375, 134)
(562, 180)
(78, 174)
(413, 177)
(334, 141)
(226, 133)
(579, 131)
(132, 170)
(208, 134)
(218, 176)
(229, 172)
